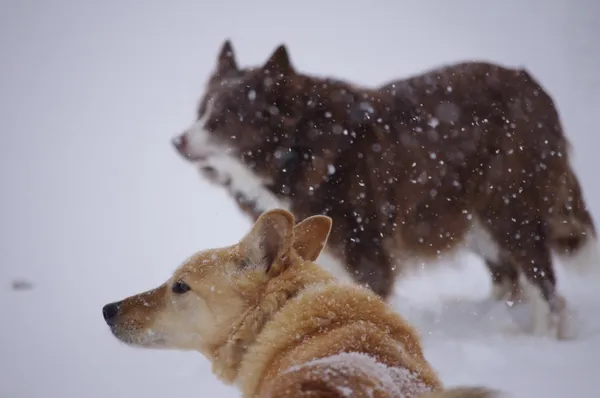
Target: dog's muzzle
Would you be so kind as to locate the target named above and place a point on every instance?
(182, 145)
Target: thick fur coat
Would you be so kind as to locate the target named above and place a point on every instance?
(277, 325)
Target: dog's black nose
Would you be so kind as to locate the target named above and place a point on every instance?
(109, 311)
(180, 142)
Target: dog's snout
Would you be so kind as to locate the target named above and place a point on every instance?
(110, 311)
(182, 145)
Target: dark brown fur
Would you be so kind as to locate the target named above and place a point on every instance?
(403, 169)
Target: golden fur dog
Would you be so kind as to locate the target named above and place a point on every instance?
(278, 325)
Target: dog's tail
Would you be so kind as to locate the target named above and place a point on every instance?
(466, 392)
(569, 227)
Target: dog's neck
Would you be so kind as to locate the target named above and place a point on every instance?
(278, 292)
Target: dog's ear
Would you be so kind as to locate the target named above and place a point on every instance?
(279, 63)
(270, 240)
(310, 236)
(226, 59)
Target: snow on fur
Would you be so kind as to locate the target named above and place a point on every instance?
(394, 381)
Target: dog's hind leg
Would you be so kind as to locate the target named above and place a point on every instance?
(549, 310)
(519, 232)
(527, 248)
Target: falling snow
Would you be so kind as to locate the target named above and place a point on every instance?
(114, 210)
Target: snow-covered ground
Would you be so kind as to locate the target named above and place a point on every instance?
(95, 204)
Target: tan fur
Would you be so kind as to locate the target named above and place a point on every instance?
(276, 324)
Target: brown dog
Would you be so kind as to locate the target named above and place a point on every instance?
(278, 325)
(470, 155)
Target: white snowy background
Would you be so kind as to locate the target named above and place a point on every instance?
(96, 205)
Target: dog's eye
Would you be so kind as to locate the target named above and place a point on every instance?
(180, 287)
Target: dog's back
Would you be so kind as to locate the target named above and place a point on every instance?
(337, 340)
(514, 128)
(347, 374)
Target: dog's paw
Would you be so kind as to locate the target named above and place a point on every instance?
(246, 187)
(248, 206)
(214, 175)
(552, 320)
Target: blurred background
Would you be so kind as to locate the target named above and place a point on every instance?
(96, 205)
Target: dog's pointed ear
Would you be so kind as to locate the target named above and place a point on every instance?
(279, 62)
(226, 59)
(270, 240)
(310, 236)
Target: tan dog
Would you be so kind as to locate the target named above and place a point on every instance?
(278, 325)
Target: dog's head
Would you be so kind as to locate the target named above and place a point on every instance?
(272, 120)
(212, 292)
(238, 108)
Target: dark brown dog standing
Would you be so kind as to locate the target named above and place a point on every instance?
(471, 154)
